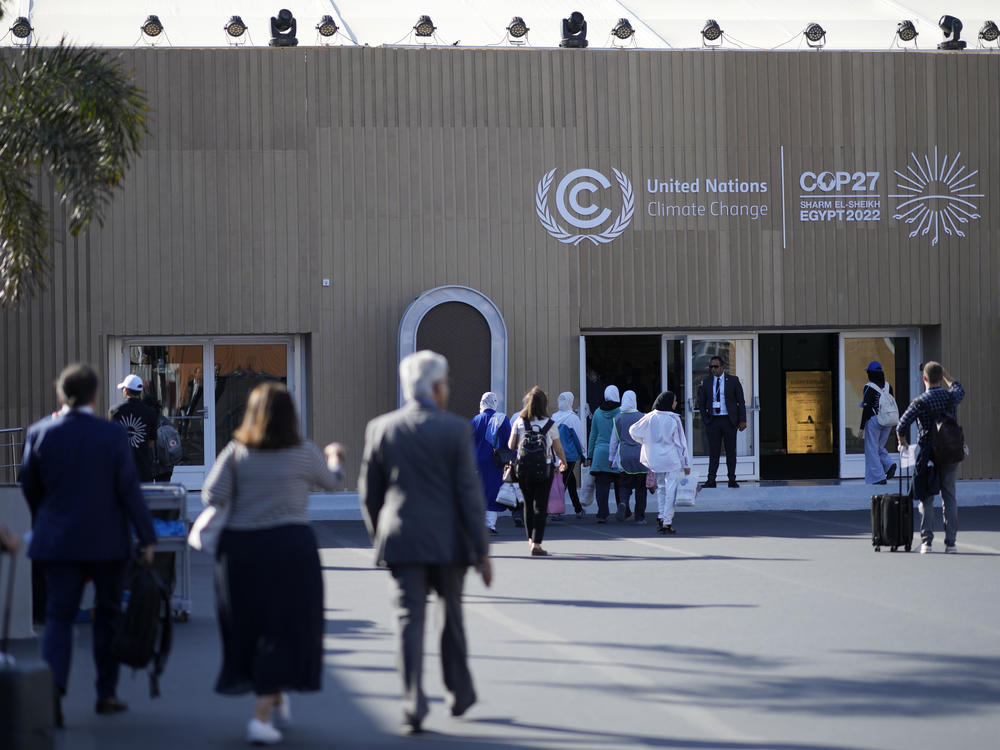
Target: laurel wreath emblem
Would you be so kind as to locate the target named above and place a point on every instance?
(556, 230)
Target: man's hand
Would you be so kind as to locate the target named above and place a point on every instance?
(743, 426)
(687, 471)
(485, 568)
(146, 556)
(9, 540)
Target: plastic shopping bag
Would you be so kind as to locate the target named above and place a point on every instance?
(687, 489)
(588, 489)
(507, 496)
(557, 495)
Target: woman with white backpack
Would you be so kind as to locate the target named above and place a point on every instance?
(879, 414)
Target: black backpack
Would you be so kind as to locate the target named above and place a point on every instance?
(532, 462)
(147, 620)
(948, 441)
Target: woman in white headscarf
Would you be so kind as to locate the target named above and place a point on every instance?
(664, 450)
(605, 475)
(490, 430)
(572, 436)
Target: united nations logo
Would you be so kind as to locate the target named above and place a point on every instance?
(581, 216)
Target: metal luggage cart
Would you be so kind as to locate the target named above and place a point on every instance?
(171, 500)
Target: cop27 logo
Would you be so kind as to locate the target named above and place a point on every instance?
(936, 196)
(578, 215)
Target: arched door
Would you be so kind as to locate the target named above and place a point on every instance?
(461, 334)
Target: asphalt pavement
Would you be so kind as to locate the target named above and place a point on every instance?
(765, 630)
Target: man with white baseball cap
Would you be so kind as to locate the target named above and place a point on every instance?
(139, 422)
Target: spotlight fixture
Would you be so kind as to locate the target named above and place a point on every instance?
(574, 31)
(235, 27)
(424, 27)
(152, 26)
(952, 28)
(283, 28)
(988, 33)
(906, 31)
(21, 28)
(517, 28)
(327, 26)
(623, 29)
(711, 32)
(815, 36)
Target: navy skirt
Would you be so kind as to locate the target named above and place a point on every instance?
(269, 595)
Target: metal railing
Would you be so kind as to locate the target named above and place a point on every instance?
(11, 445)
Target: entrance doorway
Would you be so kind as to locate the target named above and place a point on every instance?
(632, 363)
(461, 334)
(799, 397)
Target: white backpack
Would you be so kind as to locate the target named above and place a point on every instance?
(888, 411)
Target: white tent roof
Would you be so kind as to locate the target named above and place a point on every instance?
(767, 24)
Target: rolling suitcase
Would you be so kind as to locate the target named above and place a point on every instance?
(27, 694)
(892, 519)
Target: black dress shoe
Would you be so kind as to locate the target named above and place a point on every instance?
(883, 481)
(462, 706)
(110, 705)
(891, 473)
(411, 726)
(733, 483)
(709, 485)
(58, 709)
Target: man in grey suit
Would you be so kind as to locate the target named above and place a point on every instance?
(423, 505)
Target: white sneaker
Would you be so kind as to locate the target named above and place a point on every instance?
(925, 548)
(262, 733)
(949, 549)
(283, 711)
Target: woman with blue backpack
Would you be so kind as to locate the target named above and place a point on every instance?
(572, 437)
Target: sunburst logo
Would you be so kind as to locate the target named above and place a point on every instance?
(135, 428)
(938, 196)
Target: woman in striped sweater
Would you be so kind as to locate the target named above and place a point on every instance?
(268, 584)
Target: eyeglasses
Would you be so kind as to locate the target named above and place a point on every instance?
(715, 367)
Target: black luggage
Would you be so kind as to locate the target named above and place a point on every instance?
(892, 519)
(27, 694)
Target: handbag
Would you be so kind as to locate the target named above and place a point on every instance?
(510, 473)
(211, 522)
(687, 489)
(507, 496)
(502, 455)
(588, 488)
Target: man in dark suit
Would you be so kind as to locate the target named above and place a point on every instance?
(723, 412)
(79, 478)
(423, 504)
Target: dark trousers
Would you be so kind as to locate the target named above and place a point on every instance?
(637, 482)
(64, 582)
(410, 586)
(569, 479)
(536, 508)
(721, 431)
(603, 480)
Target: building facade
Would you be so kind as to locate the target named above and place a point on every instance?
(311, 214)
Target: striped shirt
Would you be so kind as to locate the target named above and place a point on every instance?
(267, 488)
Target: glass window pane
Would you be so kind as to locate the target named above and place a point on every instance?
(737, 356)
(894, 356)
(239, 368)
(173, 375)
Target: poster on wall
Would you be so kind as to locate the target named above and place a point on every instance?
(809, 411)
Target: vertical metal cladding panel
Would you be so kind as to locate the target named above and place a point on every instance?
(392, 171)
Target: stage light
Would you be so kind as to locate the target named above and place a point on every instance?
(623, 29)
(711, 32)
(235, 27)
(988, 33)
(424, 27)
(517, 28)
(327, 26)
(815, 36)
(574, 31)
(906, 31)
(952, 28)
(21, 28)
(283, 28)
(152, 26)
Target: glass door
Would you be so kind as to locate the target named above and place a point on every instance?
(206, 412)
(739, 357)
(898, 353)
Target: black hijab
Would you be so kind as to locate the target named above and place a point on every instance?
(664, 402)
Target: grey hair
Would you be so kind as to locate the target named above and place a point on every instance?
(418, 372)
